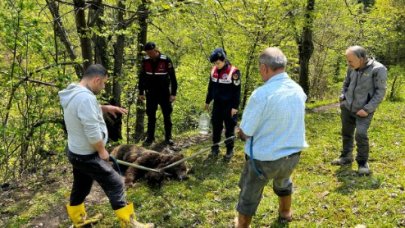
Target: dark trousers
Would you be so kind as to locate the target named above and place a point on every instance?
(87, 168)
(350, 123)
(152, 102)
(221, 113)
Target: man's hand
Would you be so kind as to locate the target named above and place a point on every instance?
(104, 155)
(172, 98)
(141, 97)
(233, 112)
(113, 110)
(241, 134)
(207, 107)
(362, 113)
(102, 152)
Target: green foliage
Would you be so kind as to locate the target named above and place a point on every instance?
(187, 31)
(396, 80)
(30, 131)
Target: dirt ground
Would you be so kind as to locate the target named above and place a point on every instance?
(23, 191)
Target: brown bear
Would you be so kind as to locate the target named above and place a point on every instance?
(151, 159)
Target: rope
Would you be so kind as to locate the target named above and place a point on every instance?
(252, 161)
(170, 165)
(196, 154)
(136, 166)
(115, 162)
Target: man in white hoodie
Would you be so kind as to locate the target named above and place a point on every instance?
(87, 136)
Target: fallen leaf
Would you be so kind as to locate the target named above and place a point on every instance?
(323, 194)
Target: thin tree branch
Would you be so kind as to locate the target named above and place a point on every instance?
(61, 32)
(167, 36)
(13, 89)
(232, 19)
(51, 66)
(42, 122)
(92, 3)
(348, 7)
(40, 82)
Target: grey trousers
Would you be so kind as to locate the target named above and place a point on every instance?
(350, 123)
(251, 186)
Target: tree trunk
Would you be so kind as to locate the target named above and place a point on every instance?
(250, 59)
(115, 130)
(100, 42)
(337, 68)
(142, 37)
(83, 31)
(61, 32)
(14, 87)
(306, 47)
(96, 13)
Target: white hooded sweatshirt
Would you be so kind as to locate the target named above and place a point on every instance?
(83, 118)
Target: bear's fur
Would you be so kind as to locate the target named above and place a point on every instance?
(151, 159)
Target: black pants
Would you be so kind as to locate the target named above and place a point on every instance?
(87, 168)
(350, 123)
(152, 102)
(221, 113)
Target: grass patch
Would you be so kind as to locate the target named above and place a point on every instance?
(316, 104)
(325, 195)
(34, 205)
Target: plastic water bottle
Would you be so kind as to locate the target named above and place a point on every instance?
(204, 123)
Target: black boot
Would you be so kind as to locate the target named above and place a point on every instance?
(168, 132)
(229, 154)
(214, 152)
(148, 141)
(169, 142)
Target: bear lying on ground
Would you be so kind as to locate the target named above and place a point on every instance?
(151, 159)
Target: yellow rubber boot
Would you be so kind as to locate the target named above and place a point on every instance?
(78, 215)
(126, 215)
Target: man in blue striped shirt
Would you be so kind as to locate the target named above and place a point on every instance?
(273, 125)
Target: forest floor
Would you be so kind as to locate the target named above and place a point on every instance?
(324, 195)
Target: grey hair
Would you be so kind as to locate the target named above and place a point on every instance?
(359, 51)
(273, 58)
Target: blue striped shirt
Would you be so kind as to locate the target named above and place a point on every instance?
(274, 116)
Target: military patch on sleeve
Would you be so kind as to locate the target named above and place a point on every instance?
(235, 76)
(170, 65)
(236, 82)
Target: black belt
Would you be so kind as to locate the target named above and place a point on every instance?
(83, 157)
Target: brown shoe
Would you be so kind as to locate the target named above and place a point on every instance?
(282, 219)
(242, 221)
(284, 209)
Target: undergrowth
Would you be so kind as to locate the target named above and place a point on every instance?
(324, 195)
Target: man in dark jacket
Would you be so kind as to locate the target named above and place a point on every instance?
(363, 90)
(157, 80)
(224, 89)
